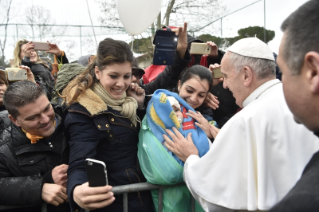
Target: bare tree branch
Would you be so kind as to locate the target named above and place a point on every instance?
(168, 11)
(3, 45)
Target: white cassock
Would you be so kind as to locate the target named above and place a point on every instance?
(257, 157)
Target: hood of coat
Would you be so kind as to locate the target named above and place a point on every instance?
(89, 100)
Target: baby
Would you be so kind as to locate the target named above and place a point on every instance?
(177, 108)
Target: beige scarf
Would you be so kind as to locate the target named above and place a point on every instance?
(126, 105)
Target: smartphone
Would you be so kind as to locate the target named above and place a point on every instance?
(42, 46)
(96, 172)
(165, 47)
(200, 48)
(217, 73)
(16, 74)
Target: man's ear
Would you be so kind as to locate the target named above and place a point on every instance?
(247, 75)
(311, 64)
(14, 120)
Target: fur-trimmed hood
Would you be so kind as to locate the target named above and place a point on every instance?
(90, 101)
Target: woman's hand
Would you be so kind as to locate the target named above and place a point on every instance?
(30, 76)
(54, 49)
(92, 198)
(180, 146)
(214, 130)
(181, 32)
(201, 122)
(27, 49)
(213, 49)
(212, 101)
(137, 93)
(217, 80)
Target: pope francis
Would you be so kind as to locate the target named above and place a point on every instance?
(260, 153)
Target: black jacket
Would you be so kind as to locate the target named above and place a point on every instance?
(25, 167)
(42, 74)
(99, 132)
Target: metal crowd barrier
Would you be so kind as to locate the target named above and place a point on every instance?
(125, 189)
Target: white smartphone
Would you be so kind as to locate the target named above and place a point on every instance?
(200, 48)
(217, 73)
(96, 172)
(16, 74)
(42, 46)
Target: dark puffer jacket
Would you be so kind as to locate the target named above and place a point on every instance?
(42, 74)
(25, 167)
(99, 132)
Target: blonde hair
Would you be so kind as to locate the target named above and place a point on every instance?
(17, 51)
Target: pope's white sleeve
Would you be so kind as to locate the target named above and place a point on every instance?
(207, 206)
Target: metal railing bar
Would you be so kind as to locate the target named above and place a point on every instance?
(124, 189)
(125, 203)
(160, 200)
(139, 187)
(193, 204)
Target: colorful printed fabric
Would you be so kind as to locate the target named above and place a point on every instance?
(161, 116)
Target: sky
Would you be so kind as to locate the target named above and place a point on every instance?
(75, 12)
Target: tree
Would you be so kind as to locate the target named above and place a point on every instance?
(143, 45)
(196, 13)
(4, 42)
(256, 31)
(39, 20)
(242, 33)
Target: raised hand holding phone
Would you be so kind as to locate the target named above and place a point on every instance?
(95, 193)
(218, 77)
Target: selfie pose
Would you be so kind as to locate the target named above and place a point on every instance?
(103, 124)
(25, 54)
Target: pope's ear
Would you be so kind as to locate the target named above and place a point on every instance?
(14, 120)
(248, 75)
(311, 63)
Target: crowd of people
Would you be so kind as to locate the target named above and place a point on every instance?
(245, 142)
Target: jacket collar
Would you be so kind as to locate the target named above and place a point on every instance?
(260, 90)
(90, 101)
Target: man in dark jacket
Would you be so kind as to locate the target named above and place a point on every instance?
(299, 64)
(33, 150)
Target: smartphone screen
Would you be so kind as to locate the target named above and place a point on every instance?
(96, 172)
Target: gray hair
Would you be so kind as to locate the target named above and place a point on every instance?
(20, 94)
(302, 35)
(262, 67)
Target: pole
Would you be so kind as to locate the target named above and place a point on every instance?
(80, 41)
(221, 28)
(17, 32)
(265, 21)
